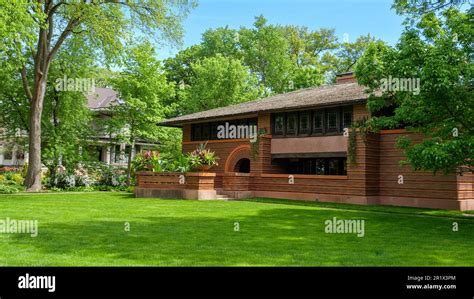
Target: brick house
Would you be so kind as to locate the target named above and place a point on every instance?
(302, 154)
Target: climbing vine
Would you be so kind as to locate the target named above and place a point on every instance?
(362, 126)
(255, 146)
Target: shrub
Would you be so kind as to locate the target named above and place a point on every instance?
(8, 175)
(24, 170)
(111, 176)
(63, 180)
(182, 163)
(2, 178)
(17, 178)
(9, 188)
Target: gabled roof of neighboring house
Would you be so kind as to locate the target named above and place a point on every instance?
(102, 98)
(327, 95)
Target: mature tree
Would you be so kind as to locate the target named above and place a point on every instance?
(436, 49)
(34, 31)
(66, 119)
(223, 40)
(220, 81)
(179, 70)
(349, 53)
(306, 50)
(265, 51)
(142, 87)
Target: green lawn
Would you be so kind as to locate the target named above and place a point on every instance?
(87, 229)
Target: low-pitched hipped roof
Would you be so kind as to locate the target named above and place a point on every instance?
(101, 98)
(338, 94)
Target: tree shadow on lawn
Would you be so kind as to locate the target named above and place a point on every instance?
(282, 236)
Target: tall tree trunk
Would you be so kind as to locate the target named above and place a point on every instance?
(42, 60)
(33, 177)
(129, 163)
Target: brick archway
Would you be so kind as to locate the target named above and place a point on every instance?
(241, 152)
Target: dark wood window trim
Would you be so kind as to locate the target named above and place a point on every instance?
(302, 130)
(313, 131)
(313, 166)
(208, 131)
(294, 117)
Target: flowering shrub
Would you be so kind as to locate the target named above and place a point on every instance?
(8, 169)
(149, 161)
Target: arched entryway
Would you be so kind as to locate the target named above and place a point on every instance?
(239, 160)
(243, 165)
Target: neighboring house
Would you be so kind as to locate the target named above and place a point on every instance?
(104, 147)
(302, 152)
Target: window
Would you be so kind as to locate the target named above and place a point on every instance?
(8, 153)
(346, 118)
(279, 124)
(333, 166)
(214, 131)
(304, 127)
(313, 166)
(206, 132)
(196, 132)
(117, 154)
(318, 122)
(332, 120)
(291, 123)
(319, 166)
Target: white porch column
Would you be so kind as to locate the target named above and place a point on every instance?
(14, 150)
(122, 152)
(108, 155)
(26, 156)
(2, 148)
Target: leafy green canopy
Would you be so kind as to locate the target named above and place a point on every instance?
(436, 49)
(268, 58)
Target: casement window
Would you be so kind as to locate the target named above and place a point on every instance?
(8, 153)
(279, 124)
(214, 131)
(313, 166)
(332, 124)
(117, 154)
(347, 117)
(206, 132)
(196, 132)
(333, 166)
(318, 122)
(319, 166)
(291, 123)
(304, 123)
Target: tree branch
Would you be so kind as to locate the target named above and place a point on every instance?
(26, 86)
(67, 31)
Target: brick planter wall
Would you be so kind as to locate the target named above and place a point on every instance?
(196, 185)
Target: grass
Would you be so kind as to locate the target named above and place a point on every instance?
(87, 229)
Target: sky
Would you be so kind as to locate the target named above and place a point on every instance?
(350, 17)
